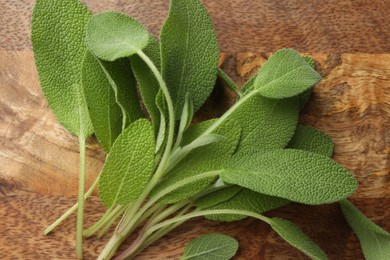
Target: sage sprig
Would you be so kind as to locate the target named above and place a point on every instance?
(159, 174)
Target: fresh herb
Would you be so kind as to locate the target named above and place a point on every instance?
(159, 174)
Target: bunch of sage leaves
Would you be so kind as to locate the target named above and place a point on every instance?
(160, 169)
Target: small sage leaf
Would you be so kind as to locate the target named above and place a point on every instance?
(211, 247)
(59, 59)
(285, 74)
(313, 140)
(189, 53)
(246, 200)
(374, 240)
(295, 175)
(100, 79)
(111, 35)
(129, 165)
(297, 238)
(218, 196)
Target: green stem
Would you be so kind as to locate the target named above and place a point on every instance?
(80, 209)
(110, 213)
(229, 82)
(205, 213)
(109, 223)
(71, 210)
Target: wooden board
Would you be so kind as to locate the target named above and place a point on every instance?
(39, 159)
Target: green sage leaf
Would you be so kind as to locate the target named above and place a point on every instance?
(297, 238)
(374, 240)
(295, 175)
(109, 88)
(285, 74)
(112, 35)
(129, 165)
(211, 247)
(189, 53)
(218, 196)
(313, 140)
(57, 36)
(247, 200)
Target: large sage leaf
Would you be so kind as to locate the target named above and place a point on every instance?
(246, 200)
(202, 159)
(57, 36)
(129, 165)
(111, 35)
(111, 96)
(189, 53)
(295, 175)
(295, 236)
(211, 247)
(313, 140)
(285, 74)
(147, 82)
(374, 240)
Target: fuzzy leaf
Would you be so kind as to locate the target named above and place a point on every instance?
(59, 59)
(189, 53)
(217, 197)
(203, 159)
(285, 74)
(100, 79)
(129, 165)
(147, 82)
(112, 35)
(297, 238)
(295, 175)
(374, 240)
(247, 200)
(211, 247)
(313, 140)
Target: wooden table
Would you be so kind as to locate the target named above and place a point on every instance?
(350, 40)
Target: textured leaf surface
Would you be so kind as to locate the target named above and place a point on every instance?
(247, 200)
(211, 247)
(374, 240)
(99, 81)
(313, 140)
(147, 82)
(297, 238)
(129, 165)
(203, 159)
(111, 35)
(217, 197)
(295, 175)
(285, 74)
(189, 53)
(58, 29)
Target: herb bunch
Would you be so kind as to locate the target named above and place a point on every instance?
(160, 169)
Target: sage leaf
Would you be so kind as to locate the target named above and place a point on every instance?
(246, 200)
(100, 79)
(297, 238)
(129, 165)
(218, 196)
(295, 175)
(112, 35)
(147, 82)
(203, 159)
(59, 59)
(211, 247)
(285, 74)
(374, 240)
(189, 53)
(313, 140)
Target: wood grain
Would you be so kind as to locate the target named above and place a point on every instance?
(342, 26)
(25, 215)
